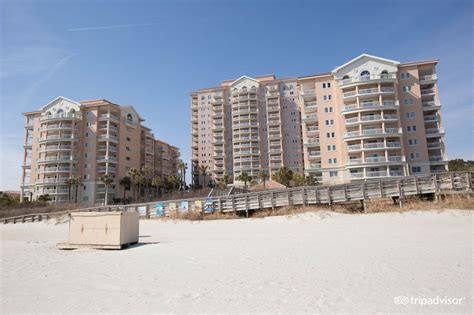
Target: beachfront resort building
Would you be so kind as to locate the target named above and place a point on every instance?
(87, 140)
(368, 118)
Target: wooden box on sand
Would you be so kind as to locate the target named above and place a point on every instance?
(104, 230)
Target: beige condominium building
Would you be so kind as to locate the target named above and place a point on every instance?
(369, 118)
(86, 140)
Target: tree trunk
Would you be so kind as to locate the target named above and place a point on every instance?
(124, 191)
(75, 197)
(106, 194)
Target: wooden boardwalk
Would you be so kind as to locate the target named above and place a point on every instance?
(399, 188)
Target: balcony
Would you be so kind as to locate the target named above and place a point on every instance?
(371, 118)
(430, 118)
(314, 167)
(49, 170)
(56, 181)
(314, 154)
(367, 79)
(438, 158)
(56, 159)
(108, 138)
(434, 145)
(310, 117)
(434, 132)
(273, 108)
(312, 129)
(71, 116)
(105, 158)
(427, 92)
(376, 160)
(108, 116)
(368, 92)
(50, 148)
(310, 107)
(388, 104)
(308, 93)
(56, 138)
(217, 127)
(428, 79)
(59, 127)
(106, 170)
(431, 105)
(369, 133)
(311, 143)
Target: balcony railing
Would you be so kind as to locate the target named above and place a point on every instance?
(61, 116)
(431, 104)
(438, 158)
(310, 117)
(427, 91)
(430, 77)
(437, 145)
(434, 131)
(313, 154)
(108, 116)
(387, 103)
(312, 129)
(367, 78)
(376, 159)
(312, 141)
(370, 132)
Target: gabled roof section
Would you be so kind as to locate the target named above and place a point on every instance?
(131, 108)
(59, 98)
(394, 62)
(244, 77)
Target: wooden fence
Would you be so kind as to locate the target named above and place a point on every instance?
(399, 188)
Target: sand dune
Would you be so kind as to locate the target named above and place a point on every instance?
(314, 262)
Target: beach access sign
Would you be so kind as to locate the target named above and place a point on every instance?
(184, 207)
(209, 206)
(160, 209)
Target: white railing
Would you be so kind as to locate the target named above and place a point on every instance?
(314, 153)
(387, 103)
(436, 145)
(310, 116)
(428, 77)
(56, 116)
(310, 129)
(431, 104)
(427, 91)
(438, 158)
(377, 174)
(366, 78)
(354, 147)
(430, 118)
(312, 141)
(107, 116)
(434, 131)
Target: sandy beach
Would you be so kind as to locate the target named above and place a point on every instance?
(313, 262)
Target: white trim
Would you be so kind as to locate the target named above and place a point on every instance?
(60, 98)
(243, 78)
(367, 56)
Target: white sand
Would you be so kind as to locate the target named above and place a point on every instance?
(323, 262)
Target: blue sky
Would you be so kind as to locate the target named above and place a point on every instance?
(171, 48)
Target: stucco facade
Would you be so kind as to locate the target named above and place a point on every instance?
(86, 140)
(369, 118)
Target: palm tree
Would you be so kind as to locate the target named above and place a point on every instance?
(147, 172)
(107, 180)
(244, 177)
(126, 182)
(298, 179)
(183, 167)
(224, 180)
(310, 180)
(175, 181)
(141, 181)
(263, 178)
(203, 170)
(158, 183)
(69, 183)
(284, 175)
(134, 174)
(77, 181)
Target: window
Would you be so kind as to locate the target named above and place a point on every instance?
(128, 149)
(332, 173)
(60, 112)
(412, 141)
(364, 73)
(328, 109)
(330, 135)
(346, 77)
(415, 155)
(127, 158)
(329, 122)
(384, 72)
(410, 115)
(324, 85)
(411, 128)
(408, 101)
(128, 139)
(404, 75)
(85, 198)
(332, 160)
(87, 165)
(416, 169)
(85, 155)
(327, 97)
(407, 88)
(86, 144)
(88, 124)
(129, 118)
(87, 134)
(332, 147)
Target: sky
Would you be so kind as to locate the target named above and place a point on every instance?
(152, 54)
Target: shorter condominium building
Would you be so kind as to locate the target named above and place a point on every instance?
(86, 140)
(368, 118)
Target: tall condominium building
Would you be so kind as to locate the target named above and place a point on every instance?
(369, 118)
(86, 140)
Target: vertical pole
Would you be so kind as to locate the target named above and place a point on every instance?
(316, 195)
(259, 197)
(147, 211)
(329, 197)
(220, 204)
(272, 197)
(289, 197)
(233, 204)
(247, 206)
(452, 181)
(303, 196)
